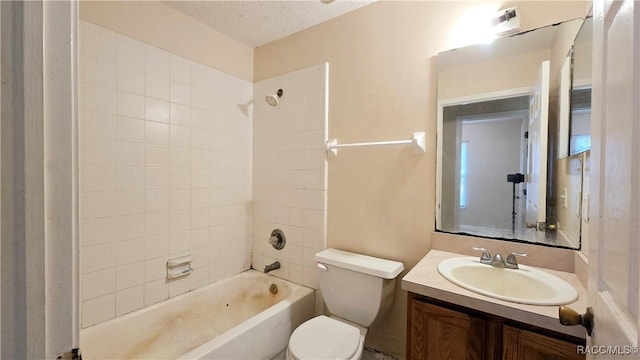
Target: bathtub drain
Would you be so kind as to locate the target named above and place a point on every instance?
(273, 289)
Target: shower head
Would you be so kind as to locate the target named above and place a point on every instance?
(274, 99)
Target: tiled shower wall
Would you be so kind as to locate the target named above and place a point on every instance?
(290, 172)
(165, 163)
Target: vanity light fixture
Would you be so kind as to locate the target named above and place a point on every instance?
(506, 21)
(505, 16)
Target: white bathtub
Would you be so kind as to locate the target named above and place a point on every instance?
(236, 318)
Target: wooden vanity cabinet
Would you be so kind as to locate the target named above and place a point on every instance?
(438, 330)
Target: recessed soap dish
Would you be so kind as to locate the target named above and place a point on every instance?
(179, 267)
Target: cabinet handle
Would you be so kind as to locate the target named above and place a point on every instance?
(570, 317)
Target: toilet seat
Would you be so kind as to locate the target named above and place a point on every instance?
(324, 338)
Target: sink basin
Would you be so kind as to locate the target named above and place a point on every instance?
(526, 285)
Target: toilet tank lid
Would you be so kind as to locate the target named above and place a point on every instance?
(386, 269)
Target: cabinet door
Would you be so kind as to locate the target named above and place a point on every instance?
(521, 344)
(438, 333)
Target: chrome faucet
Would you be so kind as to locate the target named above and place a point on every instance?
(274, 266)
(497, 260)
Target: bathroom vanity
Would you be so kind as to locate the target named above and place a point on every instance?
(445, 321)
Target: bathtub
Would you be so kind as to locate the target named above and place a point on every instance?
(235, 318)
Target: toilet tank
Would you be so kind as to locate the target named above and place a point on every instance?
(356, 287)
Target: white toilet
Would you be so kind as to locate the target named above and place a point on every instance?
(356, 289)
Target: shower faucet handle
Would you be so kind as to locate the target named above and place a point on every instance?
(485, 258)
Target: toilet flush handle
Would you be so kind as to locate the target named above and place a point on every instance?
(322, 267)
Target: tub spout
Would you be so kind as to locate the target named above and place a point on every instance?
(271, 267)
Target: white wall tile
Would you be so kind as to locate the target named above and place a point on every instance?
(201, 118)
(130, 178)
(180, 114)
(98, 283)
(199, 239)
(130, 129)
(130, 154)
(201, 99)
(200, 218)
(199, 198)
(158, 87)
(157, 155)
(199, 277)
(98, 310)
(180, 199)
(155, 269)
(157, 178)
(180, 135)
(180, 93)
(98, 231)
(157, 110)
(98, 204)
(180, 179)
(99, 152)
(200, 178)
(98, 72)
(98, 42)
(156, 246)
(157, 133)
(97, 257)
(129, 275)
(98, 178)
(201, 76)
(130, 80)
(180, 157)
(99, 99)
(147, 141)
(98, 125)
(130, 105)
(180, 69)
(201, 138)
(156, 223)
(179, 286)
(155, 291)
(130, 53)
(179, 242)
(130, 202)
(129, 300)
(179, 220)
(200, 157)
(289, 178)
(158, 62)
(129, 227)
(156, 201)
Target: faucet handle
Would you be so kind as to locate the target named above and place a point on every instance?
(485, 258)
(512, 263)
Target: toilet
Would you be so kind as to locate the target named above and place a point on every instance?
(356, 289)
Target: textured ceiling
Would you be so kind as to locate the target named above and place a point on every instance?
(255, 23)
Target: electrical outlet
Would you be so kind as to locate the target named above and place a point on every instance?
(564, 197)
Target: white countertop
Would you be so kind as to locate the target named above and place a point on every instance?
(424, 279)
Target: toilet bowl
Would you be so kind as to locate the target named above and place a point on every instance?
(356, 289)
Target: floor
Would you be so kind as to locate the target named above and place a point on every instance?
(370, 354)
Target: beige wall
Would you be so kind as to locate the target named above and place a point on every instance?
(505, 73)
(382, 61)
(161, 26)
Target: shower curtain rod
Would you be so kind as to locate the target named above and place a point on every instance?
(418, 143)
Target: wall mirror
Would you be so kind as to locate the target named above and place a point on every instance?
(500, 106)
(580, 115)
